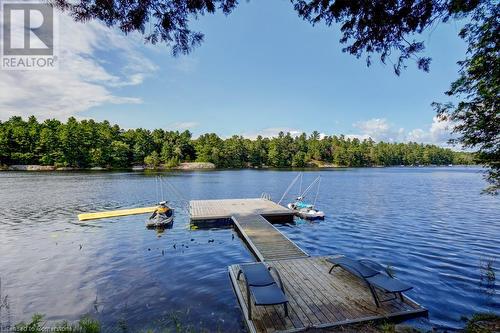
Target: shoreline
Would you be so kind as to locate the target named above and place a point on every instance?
(42, 168)
(196, 166)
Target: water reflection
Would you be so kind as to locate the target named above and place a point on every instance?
(487, 280)
(431, 225)
(6, 322)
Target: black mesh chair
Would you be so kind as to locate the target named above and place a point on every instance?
(262, 286)
(374, 275)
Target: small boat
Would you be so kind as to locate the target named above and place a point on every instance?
(161, 220)
(299, 206)
(305, 211)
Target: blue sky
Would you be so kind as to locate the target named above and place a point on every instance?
(260, 69)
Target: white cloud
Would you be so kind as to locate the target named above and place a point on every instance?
(83, 80)
(358, 136)
(375, 125)
(438, 132)
(186, 64)
(272, 132)
(186, 125)
(379, 130)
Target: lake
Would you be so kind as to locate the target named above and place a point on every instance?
(431, 225)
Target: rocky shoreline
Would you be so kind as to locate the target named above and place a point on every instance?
(186, 166)
(41, 168)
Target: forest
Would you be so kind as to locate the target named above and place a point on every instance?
(87, 144)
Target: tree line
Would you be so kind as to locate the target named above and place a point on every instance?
(87, 143)
(392, 30)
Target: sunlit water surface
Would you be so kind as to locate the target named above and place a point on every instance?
(430, 224)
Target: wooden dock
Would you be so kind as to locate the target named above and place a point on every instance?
(201, 210)
(265, 241)
(317, 299)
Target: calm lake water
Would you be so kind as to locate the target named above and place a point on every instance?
(431, 224)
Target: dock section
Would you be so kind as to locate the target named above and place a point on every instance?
(317, 299)
(265, 241)
(202, 210)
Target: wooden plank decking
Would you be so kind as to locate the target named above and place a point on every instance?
(265, 241)
(319, 299)
(226, 208)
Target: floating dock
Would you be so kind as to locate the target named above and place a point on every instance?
(203, 210)
(317, 299)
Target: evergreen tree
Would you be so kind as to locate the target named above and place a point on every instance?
(88, 143)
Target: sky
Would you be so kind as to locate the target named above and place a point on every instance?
(260, 70)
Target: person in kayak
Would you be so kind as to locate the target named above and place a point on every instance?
(162, 209)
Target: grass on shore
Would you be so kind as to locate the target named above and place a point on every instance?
(38, 325)
(89, 325)
(478, 323)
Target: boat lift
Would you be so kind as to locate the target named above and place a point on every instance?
(301, 209)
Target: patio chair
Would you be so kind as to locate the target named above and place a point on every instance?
(261, 285)
(374, 275)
